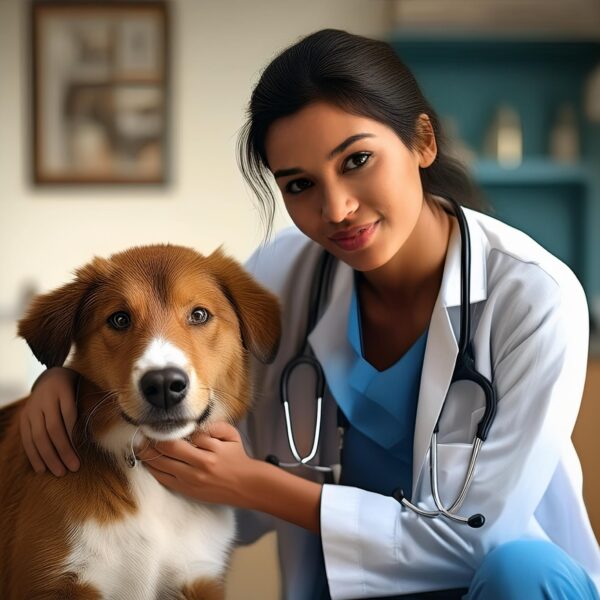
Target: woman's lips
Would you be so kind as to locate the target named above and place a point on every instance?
(356, 238)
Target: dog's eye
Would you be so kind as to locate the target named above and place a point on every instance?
(199, 315)
(119, 320)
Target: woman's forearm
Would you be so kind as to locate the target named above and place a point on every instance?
(273, 490)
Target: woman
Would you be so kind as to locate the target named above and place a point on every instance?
(358, 156)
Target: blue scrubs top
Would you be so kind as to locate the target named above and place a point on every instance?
(381, 408)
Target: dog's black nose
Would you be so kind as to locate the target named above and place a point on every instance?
(164, 388)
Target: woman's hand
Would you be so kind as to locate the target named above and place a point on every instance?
(47, 420)
(212, 467)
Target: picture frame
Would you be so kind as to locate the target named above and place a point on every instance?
(100, 92)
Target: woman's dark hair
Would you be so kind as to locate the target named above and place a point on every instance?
(360, 75)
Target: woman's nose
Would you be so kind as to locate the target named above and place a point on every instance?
(338, 205)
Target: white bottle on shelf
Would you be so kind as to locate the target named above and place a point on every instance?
(504, 139)
(564, 135)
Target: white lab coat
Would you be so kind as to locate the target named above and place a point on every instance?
(530, 337)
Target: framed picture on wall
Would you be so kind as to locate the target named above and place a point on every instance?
(99, 92)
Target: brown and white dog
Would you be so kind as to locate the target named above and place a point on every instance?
(161, 336)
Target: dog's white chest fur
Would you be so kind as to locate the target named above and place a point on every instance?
(168, 542)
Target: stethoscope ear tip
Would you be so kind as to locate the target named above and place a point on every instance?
(476, 521)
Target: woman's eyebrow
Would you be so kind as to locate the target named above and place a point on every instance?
(347, 142)
(339, 148)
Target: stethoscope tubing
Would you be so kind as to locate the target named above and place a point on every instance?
(290, 433)
(464, 370)
(476, 520)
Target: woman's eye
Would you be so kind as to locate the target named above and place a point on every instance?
(199, 316)
(297, 185)
(356, 160)
(119, 320)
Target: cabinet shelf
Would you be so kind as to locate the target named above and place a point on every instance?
(531, 172)
(466, 79)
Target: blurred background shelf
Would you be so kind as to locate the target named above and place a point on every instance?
(467, 79)
(545, 199)
(531, 172)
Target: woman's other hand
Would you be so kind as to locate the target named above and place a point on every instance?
(214, 467)
(211, 466)
(47, 420)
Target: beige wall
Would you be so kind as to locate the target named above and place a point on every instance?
(218, 50)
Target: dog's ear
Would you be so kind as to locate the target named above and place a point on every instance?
(52, 320)
(256, 307)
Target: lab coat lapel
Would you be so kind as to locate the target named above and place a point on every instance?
(442, 346)
(438, 366)
(328, 341)
(328, 338)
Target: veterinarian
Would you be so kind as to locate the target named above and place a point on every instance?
(339, 123)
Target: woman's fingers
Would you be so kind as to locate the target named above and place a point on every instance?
(147, 453)
(60, 438)
(175, 469)
(188, 452)
(168, 480)
(205, 441)
(180, 450)
(207, 468)
(47, 420)
(158, 462)
(32, 454)
(44, 445)
(224, 431)
(60, 427)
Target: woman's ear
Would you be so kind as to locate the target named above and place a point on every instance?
(50, 323)
(426, 142)
(256, 307)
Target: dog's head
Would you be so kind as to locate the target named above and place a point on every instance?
(164, 331)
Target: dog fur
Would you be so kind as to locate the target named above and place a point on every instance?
(110, 530)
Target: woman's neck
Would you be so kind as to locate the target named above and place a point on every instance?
(397, 300)
(414, 274)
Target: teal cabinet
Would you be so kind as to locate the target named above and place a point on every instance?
(558, 204)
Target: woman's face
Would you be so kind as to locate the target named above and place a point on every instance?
(348, 182)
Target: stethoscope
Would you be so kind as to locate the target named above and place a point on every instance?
(464, 370)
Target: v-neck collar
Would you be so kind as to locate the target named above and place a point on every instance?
(333, 350)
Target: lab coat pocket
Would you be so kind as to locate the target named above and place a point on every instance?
(452, 464)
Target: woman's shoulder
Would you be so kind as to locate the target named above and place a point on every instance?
(512, 254)
(534, 304)
(525, 283)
